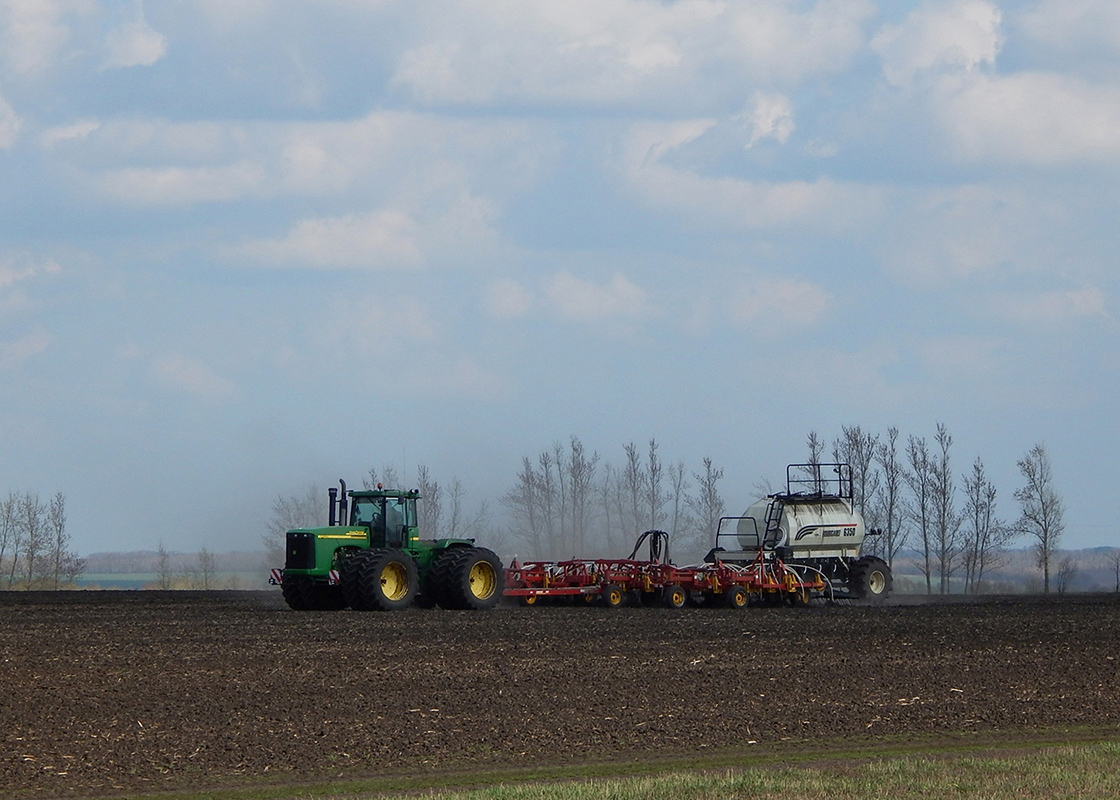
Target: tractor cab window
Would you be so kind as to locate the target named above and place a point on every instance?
(386, 518)
(364, 511)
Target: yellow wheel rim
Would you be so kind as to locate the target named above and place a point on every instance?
(394, 581)
(483, 581)
(614, 597)
(739, 600)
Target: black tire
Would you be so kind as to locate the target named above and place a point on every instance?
(674, 597)
(649, 599)
(293, 590)
(469, 579)
(350, 576)
(735, 597)
(387, 580)
(612, 595)
(870, 580)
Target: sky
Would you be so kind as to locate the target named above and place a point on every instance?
(247, 247)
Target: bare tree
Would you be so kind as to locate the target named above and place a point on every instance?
(388, 478)
(816, 449)
(707, 504)
(207, 567)
(430, 507)
(679, 486)
(633, 480)
(1066, 572)
(986, 536)
(36, 538)
(1042, 508)
(165, 578)
(655, 496)
(889, 497)
(946, 518)
(609, 500)
(1114, 562)
(525, 504)
(11, 539)
(65, 565)
(857, 449)
(580, 470)
(460, 525)
(919, 477)
(289, 513)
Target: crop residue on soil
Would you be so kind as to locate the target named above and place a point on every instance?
(108, 691)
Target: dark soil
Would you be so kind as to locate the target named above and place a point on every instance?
(141, 691)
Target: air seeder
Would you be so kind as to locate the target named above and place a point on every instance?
(788, 547)
(371, 557)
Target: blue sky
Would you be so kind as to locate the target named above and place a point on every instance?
(250, 246)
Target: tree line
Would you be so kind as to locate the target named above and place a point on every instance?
(34, 544)
(910, 493)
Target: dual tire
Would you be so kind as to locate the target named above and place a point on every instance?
(465, 579)
(303, 594)
(379, 580)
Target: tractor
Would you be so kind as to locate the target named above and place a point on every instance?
(370, 557)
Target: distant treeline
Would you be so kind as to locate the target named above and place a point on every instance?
(34, 544)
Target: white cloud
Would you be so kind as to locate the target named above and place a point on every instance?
(1073, 25)
(382, 239)
(10, 124)
(67, 133)
(180, 374)
(770, 117)
(508, 299)
(16, 352)
(1050, 307)
(581, 299)
(939, 37)
(32, 31)
(182, 185)
(134, 45)
(940, 237)
(773, 304)
(1033, 117)
(733, 203)
(19, 267)
(612, 51)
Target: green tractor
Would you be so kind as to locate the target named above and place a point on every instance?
(371, 558)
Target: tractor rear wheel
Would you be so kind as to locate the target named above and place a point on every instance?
(387, 580)
(870, 579)
(468, 579)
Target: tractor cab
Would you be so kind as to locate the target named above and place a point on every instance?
(389, 516)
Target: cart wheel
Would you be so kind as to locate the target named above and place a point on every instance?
(612, 595)
(675, 596)
(735, 597)
(527, 600)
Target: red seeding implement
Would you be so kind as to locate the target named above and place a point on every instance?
(654, 582)
(789, 547)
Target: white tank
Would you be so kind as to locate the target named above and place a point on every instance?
(812, 527)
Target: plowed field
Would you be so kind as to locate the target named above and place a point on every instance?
(107, 692)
